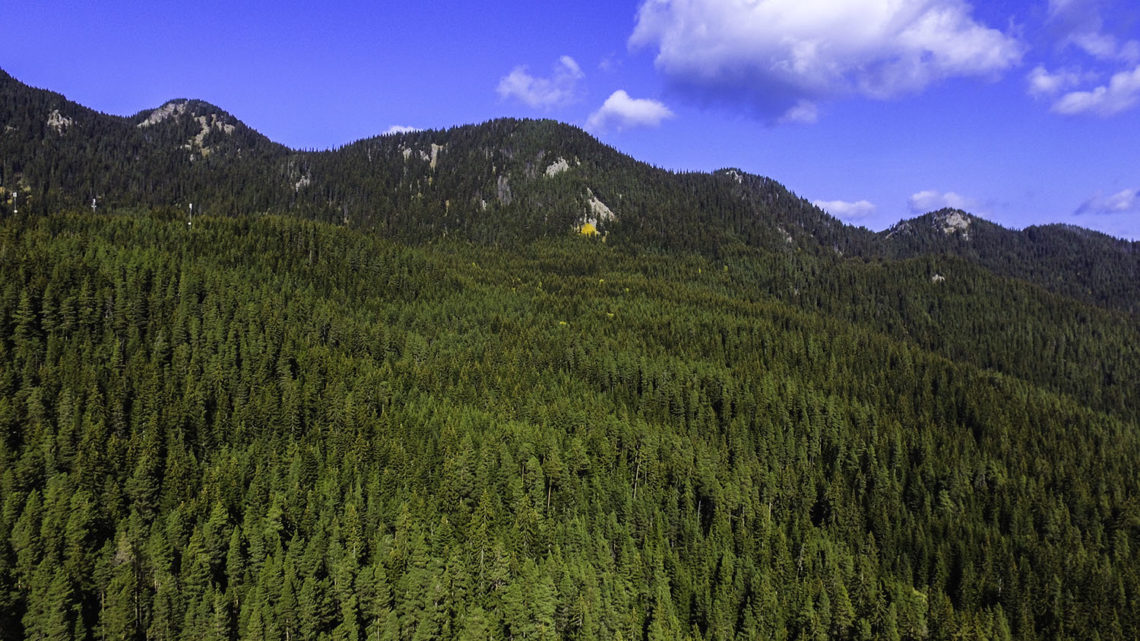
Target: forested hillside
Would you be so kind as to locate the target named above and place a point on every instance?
(501, 183)
(262, 427)
(1079, 263)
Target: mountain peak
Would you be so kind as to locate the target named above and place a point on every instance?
(943, 222)
(952, 221)
(503, 179)
(172, 109)
(196, 109)
(198, 127)
(733, 173)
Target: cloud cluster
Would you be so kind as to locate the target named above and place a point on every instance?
(931, 200)
(846, 210)
(780, 56)
(1120, 94)
(560, 88)
(1123, 202)
(622, 112)
(1081, 25)
(619, 111)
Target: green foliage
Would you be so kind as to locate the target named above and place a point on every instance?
(265, 428)
(495, 183)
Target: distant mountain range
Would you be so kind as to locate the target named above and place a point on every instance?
(504, 181)
(503, 381)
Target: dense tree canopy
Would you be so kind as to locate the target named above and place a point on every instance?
(501, 183)
(267, 428)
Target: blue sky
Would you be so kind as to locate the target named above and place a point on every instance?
(1021, 111)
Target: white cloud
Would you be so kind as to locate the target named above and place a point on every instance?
(1105, 47)
(1116, 214)
(1120, 94)
(1122, 202)
(805, 112)
(846, 210)
(1044, 83)
(558, 89)
(931, 200)
(771, 54)
(623, 112)
(400, 129)
(1082, 24)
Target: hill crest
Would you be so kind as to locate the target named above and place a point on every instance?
(501, 181)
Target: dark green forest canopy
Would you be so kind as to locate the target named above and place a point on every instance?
(505, 182)
(267, 428)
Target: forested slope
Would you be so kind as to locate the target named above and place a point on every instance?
(505, 182)
(266, 428)
(1080, 263)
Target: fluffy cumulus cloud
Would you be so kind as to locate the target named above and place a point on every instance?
(560, 88)
(1043, 83)
(1120, 94)
(1081, 90)
(775, 56)
(931, 200)
(846, 210)
(1126, 202)
(622, 111)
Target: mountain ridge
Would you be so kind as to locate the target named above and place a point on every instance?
(396, 391)
(500, 181)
